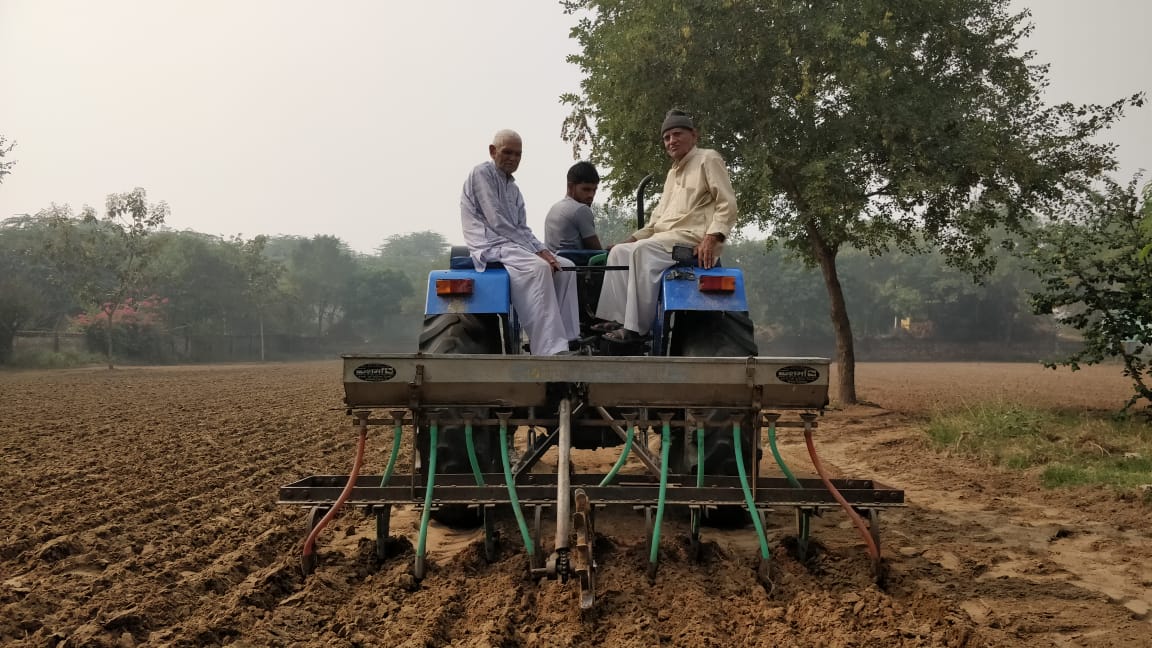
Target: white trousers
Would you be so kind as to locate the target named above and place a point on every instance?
(544, 301)
(630, 297)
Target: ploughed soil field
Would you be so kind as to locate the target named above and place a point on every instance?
(138, 507)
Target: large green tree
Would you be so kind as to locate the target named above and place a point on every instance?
(319, 270)
(23, 290)
(38, 278)
(1098, 280)
(414, 255)
(865, 123)
(262, 276)
(201, 278)
(215, 285)
(374, 298)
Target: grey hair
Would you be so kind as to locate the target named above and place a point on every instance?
(504, 135)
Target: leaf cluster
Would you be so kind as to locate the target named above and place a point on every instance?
(1097, 278)
(5, 149)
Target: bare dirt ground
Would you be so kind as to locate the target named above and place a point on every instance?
(138, 508)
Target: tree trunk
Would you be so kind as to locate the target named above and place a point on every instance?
(56, 333)
(108, 336)
(845, 347)
(261, 316)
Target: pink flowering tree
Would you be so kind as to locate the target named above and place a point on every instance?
(137, 325)
(113, 254)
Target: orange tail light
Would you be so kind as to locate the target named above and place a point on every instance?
(718, 284)
(451, 287)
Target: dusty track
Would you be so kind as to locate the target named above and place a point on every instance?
(138, 509)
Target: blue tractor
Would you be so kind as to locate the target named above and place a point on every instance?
(471, 398)
(701, 313)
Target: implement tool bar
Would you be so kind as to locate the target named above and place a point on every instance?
(444, 380)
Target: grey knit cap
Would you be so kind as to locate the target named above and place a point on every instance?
(677, 119)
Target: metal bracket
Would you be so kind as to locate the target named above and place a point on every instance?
(756, 391)
(415, 395)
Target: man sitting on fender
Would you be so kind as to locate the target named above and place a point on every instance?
(697, 208)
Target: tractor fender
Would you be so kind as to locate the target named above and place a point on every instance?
(491, 293)
(680, 290)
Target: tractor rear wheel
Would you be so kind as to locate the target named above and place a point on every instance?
(723, 334)
(715, 334)
(466, 335)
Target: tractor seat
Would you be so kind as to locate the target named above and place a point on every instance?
(460, 259)
(694, 262)
(683, 256)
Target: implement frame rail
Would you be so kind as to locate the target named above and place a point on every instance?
(322, 490)
(615, 394)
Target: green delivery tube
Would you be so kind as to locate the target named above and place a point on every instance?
(510, 482)
(737, 448)
(426, 516)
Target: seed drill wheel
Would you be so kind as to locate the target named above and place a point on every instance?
(695, 514)
(466, 335)
(490, 549)
(537, 537)
(383, 514)
(315, 514)
(724, 334)
(879, 572)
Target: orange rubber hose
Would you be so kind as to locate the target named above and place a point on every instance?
(310, 543)
(873, 550)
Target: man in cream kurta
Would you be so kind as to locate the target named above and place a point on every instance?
(697, 208)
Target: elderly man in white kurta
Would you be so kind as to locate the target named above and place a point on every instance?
(496, 229)
(697, 209)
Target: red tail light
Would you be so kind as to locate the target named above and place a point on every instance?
(451, 287)
(712, 283)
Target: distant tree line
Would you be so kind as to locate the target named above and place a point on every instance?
(161, 290)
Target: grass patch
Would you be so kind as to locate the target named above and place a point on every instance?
(47, 359)
(1068, 449)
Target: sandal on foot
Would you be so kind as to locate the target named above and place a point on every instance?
(606, 326)
(624, 336)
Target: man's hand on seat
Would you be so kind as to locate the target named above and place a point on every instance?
(708, 251)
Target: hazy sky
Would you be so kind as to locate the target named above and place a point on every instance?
(361, 118)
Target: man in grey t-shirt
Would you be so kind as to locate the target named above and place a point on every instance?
(570, 224)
